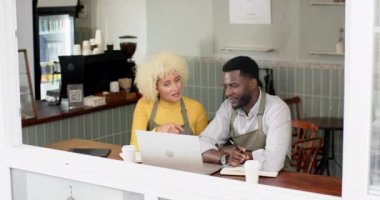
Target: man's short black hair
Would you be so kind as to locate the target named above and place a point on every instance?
(245, 64)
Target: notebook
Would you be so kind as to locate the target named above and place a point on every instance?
(175, 151)
(239, 171)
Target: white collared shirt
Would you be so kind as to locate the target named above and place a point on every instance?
(276, 125)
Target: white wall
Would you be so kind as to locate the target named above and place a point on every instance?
(199, 28)
(319, 30)
(123, 17)
(297, 28)
(182, 26)
(185, 26)
(282, 34)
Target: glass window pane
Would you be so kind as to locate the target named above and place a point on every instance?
(375, 141)
(33, 186)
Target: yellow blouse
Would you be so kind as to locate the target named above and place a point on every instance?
(168, 112)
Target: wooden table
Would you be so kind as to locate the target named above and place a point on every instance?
(329, 125)
(298, 181)
(79, 143)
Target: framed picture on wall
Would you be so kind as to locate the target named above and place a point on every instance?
(75, 95)
(28, 104)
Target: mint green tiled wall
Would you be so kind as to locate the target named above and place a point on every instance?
(319, 86)
(111, 126)
(205, 82)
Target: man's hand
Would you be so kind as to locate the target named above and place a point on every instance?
(169, 128)
(228, 149)
(235, 155)
(238, 155)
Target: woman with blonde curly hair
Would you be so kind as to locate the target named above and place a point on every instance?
(160, 79)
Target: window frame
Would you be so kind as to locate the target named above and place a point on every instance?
(145, 179)
(358, 108)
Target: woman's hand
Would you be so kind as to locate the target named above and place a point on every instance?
(169, 128)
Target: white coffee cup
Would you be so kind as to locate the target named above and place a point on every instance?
(77, 50)
(114, 86)
(251, 168)
(128, 153)
(96, 51)
(92, 41)
(87, 52)
(86, 49)
(98, 37)
(86, 45)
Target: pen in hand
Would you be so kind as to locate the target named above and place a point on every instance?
(241, 150)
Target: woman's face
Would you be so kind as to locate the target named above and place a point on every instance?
(170, 87)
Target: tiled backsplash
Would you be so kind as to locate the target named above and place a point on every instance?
(320, 87)
(110, 126)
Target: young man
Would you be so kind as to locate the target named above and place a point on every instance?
(250, 124)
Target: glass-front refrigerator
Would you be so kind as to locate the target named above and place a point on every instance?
(56, 38)
(53, 28)
(56, 34)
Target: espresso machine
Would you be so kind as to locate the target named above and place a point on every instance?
(128, 44)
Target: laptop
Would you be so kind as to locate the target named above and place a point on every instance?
(174, 151)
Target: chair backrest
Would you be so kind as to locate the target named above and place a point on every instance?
(294, 105)
(303, 130)
(304, 154)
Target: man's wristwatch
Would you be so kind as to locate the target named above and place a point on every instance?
(223, 159)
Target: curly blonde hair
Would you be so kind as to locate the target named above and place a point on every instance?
(154, 68)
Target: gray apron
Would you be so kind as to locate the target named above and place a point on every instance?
(186, 126)
(255, 139)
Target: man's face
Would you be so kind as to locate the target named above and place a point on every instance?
(238, 88)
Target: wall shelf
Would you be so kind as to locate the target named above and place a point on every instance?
(326, 53)
(257, 49)
(323, 3)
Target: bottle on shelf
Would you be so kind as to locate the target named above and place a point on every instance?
(340, 43)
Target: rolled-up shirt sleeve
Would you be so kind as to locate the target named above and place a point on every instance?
(277, 122)
(217, 132)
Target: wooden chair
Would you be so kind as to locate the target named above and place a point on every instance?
(305, 146)
(303, 130)
(294, 105)
(304, 154)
